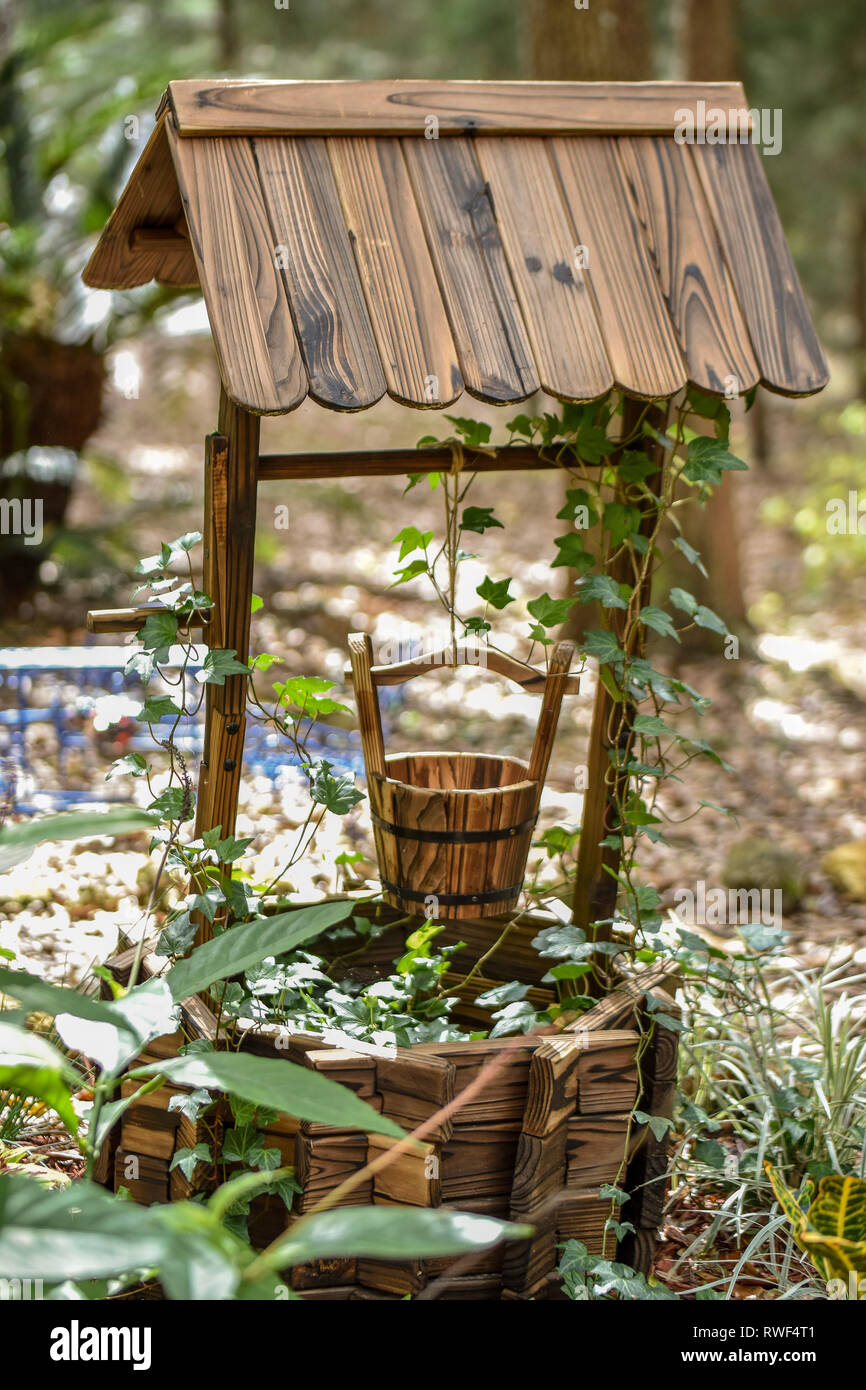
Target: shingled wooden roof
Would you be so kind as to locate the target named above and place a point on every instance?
(343, 253)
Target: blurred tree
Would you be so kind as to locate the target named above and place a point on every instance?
(601, 41)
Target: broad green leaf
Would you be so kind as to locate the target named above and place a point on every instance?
(219, 664)
(74, 1232)
(550, 612)
(620, 520)
(572, 553)
(158, 707)
(30, 1066)
(145, 1012)
(659, 621)
(275, 1082)
(707, 459)
(692, 555)
(390, 1233)
(159, 634)
(603, 588)
(479, 520)
(248, 944)
(17, 842)
(339, 794)
(495, 592)
(602, 645)
(705, 617)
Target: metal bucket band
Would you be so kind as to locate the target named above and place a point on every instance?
(453, 837)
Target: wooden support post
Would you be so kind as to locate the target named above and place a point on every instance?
(229, 543)
(597, 867)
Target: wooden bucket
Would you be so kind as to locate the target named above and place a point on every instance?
(453, 830)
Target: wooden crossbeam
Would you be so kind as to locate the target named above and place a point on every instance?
(131, 619)
(158, 240)
(388, 463)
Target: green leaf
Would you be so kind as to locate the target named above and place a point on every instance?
(652, 724)
(550, 612)
(187, 1160)
(132, 765)
(710, 1152)
(159, 634)
(602, 645)
(705, 617)
(603, 588)
(339, 794)
(248, 944)
(659, 621)
(275, 1082)
(410, 538)
(474, 433)
(692, 555)
(390, 1233)
(256, 602)
(495, 592)
(707, 459)
(410, 571)
(659, 1126)
(75, 1232)
(158, 707)
(479, 520)
(620, 520)
(17, 842)
(683, 600)
(30, 1066)
(572, 553)
(219, 664)
(579, 506)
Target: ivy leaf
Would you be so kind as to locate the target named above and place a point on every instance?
(682, 599)
(479, 519)
(219, 664)
(522, 425)
(495, 592)
(159, 634)
(256, 602)
(410, 571)
(550, 612)
(603, 588)
(190, 1103)
(132, 765)
(188, 541)
(158, 707)
(475, 625)
(502, 994)
(309, 695)
(410, 539)
(579, 507)
(572, 553)
(187, 1160)
(707, 459)
(620, 520)
(339, 794)
(652, 724)
(659, 1126)
(634, 466)
(207, 902)
(592, 442)
(659, 621)
(705, 617)
(172, 804)
(693, 556)
(603, 645)
(474, 433)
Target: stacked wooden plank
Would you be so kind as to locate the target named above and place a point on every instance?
(536, 1142)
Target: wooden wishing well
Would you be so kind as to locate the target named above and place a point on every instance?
(422, 239)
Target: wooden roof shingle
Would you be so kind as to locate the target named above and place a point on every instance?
(422, 239)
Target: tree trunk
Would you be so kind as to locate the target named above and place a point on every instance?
(604, 42)
(709, 43)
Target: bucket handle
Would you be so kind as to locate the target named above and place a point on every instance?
(553, 684)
